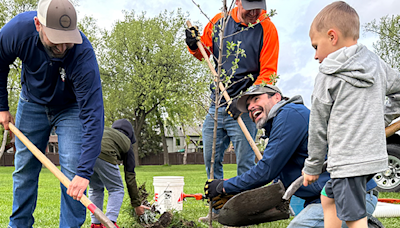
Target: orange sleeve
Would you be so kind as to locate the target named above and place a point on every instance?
(206, 38)
(269, 53)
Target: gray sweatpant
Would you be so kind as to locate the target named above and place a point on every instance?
(106, 175)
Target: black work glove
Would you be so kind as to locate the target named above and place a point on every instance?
(232, 110)
(192, 36)
(214, 188)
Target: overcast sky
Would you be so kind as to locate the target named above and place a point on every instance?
(296, 66)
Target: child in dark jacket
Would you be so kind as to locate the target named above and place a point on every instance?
(116, 145)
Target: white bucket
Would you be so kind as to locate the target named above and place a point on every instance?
(167, 192)
(386, 210)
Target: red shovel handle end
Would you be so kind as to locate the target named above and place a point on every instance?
(92, 208)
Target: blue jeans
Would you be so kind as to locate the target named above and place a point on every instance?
(106, 175)
(228, 130)
(312, 216)
(36, 122)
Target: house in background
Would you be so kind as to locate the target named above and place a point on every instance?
(52, 145)
(51, 152)
(176, 139)
(175, 142)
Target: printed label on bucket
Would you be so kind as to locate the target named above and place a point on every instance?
(168, 200)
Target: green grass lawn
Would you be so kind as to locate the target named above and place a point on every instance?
(48, 206)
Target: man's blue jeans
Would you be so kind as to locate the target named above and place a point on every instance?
(36, 122)
(228, 130)
(312, 216)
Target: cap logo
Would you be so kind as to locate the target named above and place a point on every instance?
(65, 21)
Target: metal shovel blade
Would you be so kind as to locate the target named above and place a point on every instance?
(264, 204)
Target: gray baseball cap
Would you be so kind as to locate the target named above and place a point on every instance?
(59, 20)
(254, 4)
(255, 90)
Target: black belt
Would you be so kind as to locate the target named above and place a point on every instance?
(373, 192)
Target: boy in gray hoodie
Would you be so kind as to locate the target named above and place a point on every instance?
(348, 114)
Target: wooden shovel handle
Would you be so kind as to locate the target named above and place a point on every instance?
(227, 98)
(391, 129)
(3, 144)
(64, 180)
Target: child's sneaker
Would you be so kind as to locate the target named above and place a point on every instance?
(96, 226)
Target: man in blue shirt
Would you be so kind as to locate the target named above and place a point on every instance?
(285, 121)
(61, 89)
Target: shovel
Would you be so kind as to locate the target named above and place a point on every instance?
(264, 204)
(267, 203)
(64, 180)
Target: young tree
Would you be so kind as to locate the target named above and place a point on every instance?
(227, 55)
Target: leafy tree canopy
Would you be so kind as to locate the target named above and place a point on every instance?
(388, 46)
(145, 66)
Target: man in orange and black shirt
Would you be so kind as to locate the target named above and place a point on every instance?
(261, 47)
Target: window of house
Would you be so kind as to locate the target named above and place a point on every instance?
(178, 142)
(51, 149)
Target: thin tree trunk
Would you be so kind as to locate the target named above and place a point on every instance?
(164, 140)
(217, 99)
(185, 145)
(185, 154)
(136, 153)
(137, 127)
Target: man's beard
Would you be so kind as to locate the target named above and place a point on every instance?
(49, 50)
(263, 120)
(260, 124)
